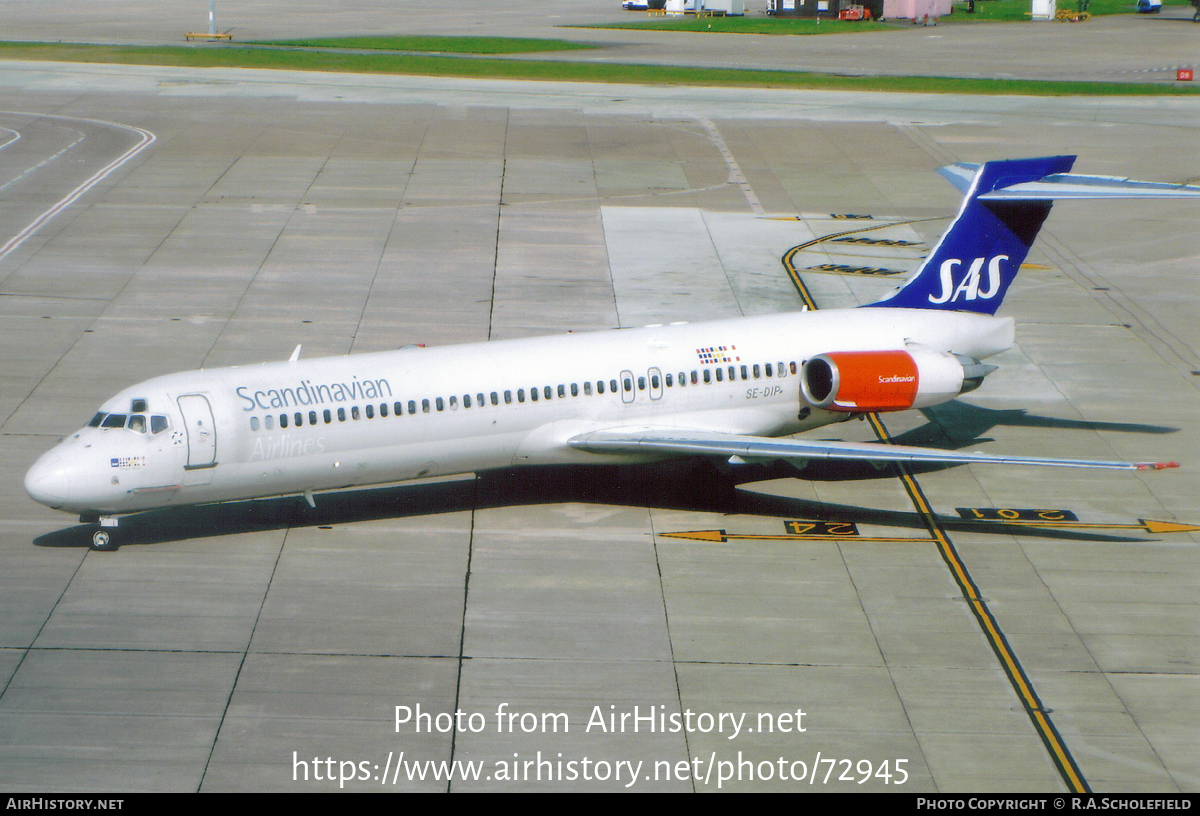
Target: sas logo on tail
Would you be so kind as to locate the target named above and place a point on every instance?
(969, 288)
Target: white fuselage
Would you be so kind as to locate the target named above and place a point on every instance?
(319, 424)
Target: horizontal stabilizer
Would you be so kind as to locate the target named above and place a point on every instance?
(1067, 186)
(1070, 187)
(1005, 204)
(676, 441)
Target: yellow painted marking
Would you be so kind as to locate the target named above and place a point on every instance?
(1146, 525)
(1153, 526)
(820, 527)
(847, 269)
(1065, 519)
(1008, 660)
(1033, 706)
(720, 537)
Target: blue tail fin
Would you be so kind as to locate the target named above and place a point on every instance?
(979, 255)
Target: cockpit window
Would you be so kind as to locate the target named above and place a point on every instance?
(113, 421)
(137, 406)
(137, 422)
(96, 420)
(158, 423)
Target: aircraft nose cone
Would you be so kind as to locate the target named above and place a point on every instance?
(48, 481)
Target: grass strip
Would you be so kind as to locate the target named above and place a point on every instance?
(222, 56)
(985, 11)
(1018, 10)
(747, 25)
(445, 45)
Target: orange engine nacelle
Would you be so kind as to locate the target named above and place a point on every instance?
(893, 380)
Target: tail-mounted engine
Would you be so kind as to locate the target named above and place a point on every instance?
(860, 381)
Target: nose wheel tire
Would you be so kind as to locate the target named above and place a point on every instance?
(102, 541)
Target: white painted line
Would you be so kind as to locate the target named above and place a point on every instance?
(42, 164)
(16, 137)
(147, 139)
(735, 172)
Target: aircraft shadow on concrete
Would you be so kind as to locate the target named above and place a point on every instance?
(962, 423)
(687, 484)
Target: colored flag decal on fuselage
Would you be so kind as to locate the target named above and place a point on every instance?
(717, 354)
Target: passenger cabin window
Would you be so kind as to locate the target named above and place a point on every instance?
(370, 412)
(253, 423)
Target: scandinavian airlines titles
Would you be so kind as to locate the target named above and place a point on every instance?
(969, 288)
(306, 393)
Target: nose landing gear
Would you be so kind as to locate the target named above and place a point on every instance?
(104, 539)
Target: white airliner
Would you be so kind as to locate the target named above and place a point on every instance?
(725, 389)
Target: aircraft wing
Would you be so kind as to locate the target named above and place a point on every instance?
(739, 449)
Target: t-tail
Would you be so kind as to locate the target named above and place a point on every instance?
(1006, 203)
